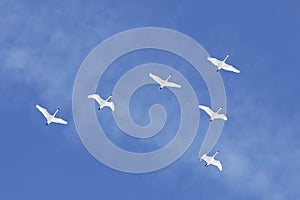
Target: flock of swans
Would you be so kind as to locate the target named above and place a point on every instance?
(220, 64)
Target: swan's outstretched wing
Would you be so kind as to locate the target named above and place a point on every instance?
(214, 61)
(204, 157)
(206, 109)
(43, 111)
(230, 68)
(217, 163)
(221, 116)
(172, 84)
(59, 120)
(156, 78)
(111, 105)
(97, 98)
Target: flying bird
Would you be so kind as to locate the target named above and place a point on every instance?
(213, 115)
(210, 160)
(222, 65)
(164, 83)
(50, 118)
(102, 103)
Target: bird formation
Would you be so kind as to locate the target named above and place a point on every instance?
(214, 115)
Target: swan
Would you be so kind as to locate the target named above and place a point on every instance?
(50, 118)
(164, 83)
(210, 160)
(213, 115)
(222, 65)
(102, 103)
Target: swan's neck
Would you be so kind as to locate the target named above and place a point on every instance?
(108, 98)
(169, 77)
(55, 113)
(219, 110)
(215, 154)
(225, 58)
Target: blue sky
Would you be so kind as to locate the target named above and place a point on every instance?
(43, 45)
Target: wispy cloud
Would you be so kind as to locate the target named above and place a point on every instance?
(260, 152)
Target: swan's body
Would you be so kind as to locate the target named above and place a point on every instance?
(164, 83)
(102, 103)
(210, 160)
(213, 115)
(222, 65)
(51, 118)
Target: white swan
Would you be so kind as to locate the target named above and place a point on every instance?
(210, 160)
(102, 103)
(50, 118)
(164, 83)
(222, 65)
(213, 115)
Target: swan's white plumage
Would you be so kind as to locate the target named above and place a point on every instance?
(111, 105)
(213, 115)
(171, 84)
(102, 102)
(210, 160)
(50, 118)
(222, 65)
(164, 83)
(206, 109)
(214, 61)
(221, 116)
(156, 78)
(59, 120)
(43, 111)
(230, 68)
(96, 97)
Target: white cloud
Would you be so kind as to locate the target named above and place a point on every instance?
(257, 160)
